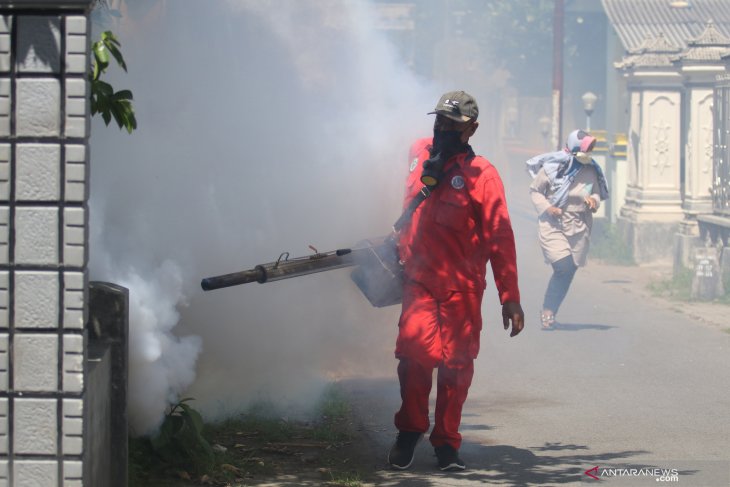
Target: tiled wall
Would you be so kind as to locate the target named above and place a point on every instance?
(44, 128)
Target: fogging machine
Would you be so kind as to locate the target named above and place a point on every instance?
(378, 272)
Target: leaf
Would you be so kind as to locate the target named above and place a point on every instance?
(194, 417)
(123, 95)
(108, 37)
(118, 56)
(122, 114)
(110, 104)
(102, 88)
(101, 55)
(132, 125)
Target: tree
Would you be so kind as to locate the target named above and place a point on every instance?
(104, 99)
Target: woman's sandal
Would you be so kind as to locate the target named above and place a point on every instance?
(547, 320)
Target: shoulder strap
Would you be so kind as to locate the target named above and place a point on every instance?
(422, 195)
(411, 208)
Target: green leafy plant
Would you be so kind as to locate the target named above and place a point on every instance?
(180, 440)
(104, 99)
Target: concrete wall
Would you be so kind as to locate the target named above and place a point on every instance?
(44, 129)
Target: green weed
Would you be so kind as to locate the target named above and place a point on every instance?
(678, 286)
(333, 413)
(179, 445)
(345, 479)
(608, 246)
(255, 443)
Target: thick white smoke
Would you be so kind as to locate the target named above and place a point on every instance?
(263, 127)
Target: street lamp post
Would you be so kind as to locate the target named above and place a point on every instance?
(589, 103)
(557, 98)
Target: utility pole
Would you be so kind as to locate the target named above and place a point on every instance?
(557, 121)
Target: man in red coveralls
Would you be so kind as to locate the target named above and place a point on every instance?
(453, 233)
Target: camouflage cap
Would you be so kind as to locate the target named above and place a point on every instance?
(457, 105)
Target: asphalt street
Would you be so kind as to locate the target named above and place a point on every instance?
(624, 386)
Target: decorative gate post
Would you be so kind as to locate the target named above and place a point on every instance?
(653, 207)
(700, 65)
(44, 129)
(715, 226)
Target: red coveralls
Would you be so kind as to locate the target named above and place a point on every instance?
(454, 232)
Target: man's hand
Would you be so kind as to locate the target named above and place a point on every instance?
(554, 211)
(512, 310)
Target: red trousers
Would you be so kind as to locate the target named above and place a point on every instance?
(436, 331)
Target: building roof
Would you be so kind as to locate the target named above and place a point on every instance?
(711, 45)
(653, 52)
(635, 21)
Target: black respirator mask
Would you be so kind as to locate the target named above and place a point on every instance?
(446, 143)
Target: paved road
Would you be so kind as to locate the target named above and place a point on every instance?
(623, 383)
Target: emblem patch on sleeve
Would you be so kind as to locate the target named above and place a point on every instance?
(414, 163)
(457, 182)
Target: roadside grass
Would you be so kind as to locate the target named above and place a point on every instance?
(679, 287)
(607, 245)
(260, 443)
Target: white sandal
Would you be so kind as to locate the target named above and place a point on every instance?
(547, 320)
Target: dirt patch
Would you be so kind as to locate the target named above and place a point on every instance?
(260, 449)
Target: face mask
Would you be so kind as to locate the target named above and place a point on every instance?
(583, 157)
(446, 143)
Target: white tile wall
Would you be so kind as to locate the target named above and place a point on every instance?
(73, 410)
(35, 362)
(76, 42)
(74, 237)
(36, 235)
(35, 426)
(36, 299)
(4, 361)
(4, 235)
(73, 472)
(76, 181)
(38, 172)
(38, 107)
(4, 299)
(4, 439)
(4, 43)
(76, 106)
(4, 107)
(39, 44)
(74, 312)
(44, 185)
(73, 363)
(5, 156)
(35, 473)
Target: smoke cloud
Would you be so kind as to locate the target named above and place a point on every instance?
(263, 127)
